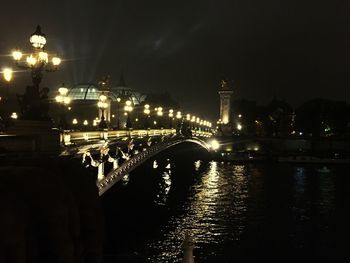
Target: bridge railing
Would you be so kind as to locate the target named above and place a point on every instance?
(69, 137)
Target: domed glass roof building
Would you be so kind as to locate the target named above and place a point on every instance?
(89, 91)
(84, 92)
(85, 96)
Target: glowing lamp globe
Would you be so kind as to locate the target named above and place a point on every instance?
(66, 100)
(63, 91)
(103, 98)
(43, 56)
(31, 60)
(7, 72)
(59, 98)
(178, 115)
(37, 39)
(17, 55)
(56, 61)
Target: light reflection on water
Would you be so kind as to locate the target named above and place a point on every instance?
(218, 199)
(234, 212)
(164, 188)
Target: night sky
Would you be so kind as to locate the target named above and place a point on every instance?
(293, 49)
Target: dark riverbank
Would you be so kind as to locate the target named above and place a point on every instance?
(50, 212)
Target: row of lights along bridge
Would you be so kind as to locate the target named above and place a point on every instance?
(39, 61)
(156, 118)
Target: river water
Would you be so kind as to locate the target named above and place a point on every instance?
(235, 212)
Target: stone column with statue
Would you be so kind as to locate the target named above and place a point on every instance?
(225, 92)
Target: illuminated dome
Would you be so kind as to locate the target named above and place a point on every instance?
(84, 92)
(122, 90)
(85, 98)
(128, 93)
(91, 92)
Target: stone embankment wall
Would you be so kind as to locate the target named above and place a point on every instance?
(50, 212)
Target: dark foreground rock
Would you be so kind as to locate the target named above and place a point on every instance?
(50, 212)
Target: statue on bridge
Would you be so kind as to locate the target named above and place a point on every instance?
(104, 158)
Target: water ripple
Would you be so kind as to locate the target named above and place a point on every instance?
(218, 199)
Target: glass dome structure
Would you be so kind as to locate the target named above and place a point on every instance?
(84, 92)
(91, 92)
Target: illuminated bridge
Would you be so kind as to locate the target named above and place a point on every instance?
(130, 148)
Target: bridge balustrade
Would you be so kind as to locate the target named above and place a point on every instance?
(70, 137)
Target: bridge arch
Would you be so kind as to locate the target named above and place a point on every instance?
(117, 174)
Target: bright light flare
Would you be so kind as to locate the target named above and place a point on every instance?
(17, 55)
(103, 98)
(66, 100)
(56, 61)
(43, 56)
(159, 111)
(14, 115)
(102, 105)
(31, 60)
(178, 115)
(171, 113)
(63, 91)
(214, 144)
(59, 99)
(38, 41)
(7, 72)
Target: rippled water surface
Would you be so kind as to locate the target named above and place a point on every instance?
(236, 213)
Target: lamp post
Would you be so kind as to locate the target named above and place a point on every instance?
(146, 111)
(128, 109)
(63, 100)
(7, 73)
(102, 105)
(171, 116)
(118, 112)
(159, 114)
(179, 121)
(37, 62)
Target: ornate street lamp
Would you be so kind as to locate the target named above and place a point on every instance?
(7, 73)
(63, 100)
(179, 120)
(171, 116)
(37, 62)
(178, 115)
(4, 101)
(159, 111)
(128, 109)
(102, 105)
(118, 112)
(147, 112)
